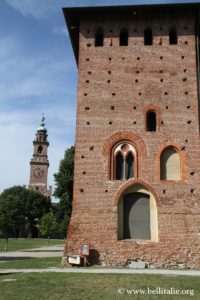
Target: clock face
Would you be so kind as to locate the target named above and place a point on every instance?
(38, 172)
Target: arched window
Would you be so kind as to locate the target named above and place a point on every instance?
(151, 121)
(148, 36)
(123, 164)
(123, 39)
(99, 37)
(170, 166)
(173, 37)
(119, 166)
(40, 149)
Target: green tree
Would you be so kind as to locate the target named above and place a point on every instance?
(64, 189)
(21, 207)
(47, 224)
(12, 217)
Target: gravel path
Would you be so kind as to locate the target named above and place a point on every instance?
(105, 271)
(46, 251)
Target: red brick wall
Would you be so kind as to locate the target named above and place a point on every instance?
(135, 83)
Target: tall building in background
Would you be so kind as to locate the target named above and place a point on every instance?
(39, 164)
(137, 152)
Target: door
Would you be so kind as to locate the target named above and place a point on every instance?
(136, 216)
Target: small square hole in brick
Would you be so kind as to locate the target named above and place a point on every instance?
(182, 57)
(82, 156)
(108, 81)
(186, 93)
(87, 81)
(81, 190)
(136, 80)
(87, 108)
(87, 59)
(110, 58)
(92, 148)
(134, 122)
(85, 94)
(166, 93)
(192, 173)
(110, 122)
(113, 94)
(138, 58)
(185, 70)
(139, 94)
(161, 71)
(84, 173)
(88, 45)
(137, 72)
(134, 107)
(186, 42)
(89, 72)
(161, 80)
(161, 57)
(112, 107)
(189, 122)
(106, 191)
(186, 141)
(185, 79)
(167, 107)
(192, 191)
(188, 107)
(88, 123)
(164, 191)
(109, 72)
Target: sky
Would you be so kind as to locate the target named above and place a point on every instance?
(38, 74)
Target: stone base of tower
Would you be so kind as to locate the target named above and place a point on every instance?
(170, 252)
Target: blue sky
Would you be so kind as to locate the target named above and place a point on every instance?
(38, 74)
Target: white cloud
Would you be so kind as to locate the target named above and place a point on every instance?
(60, 30)
(29, 86)
(35, 8)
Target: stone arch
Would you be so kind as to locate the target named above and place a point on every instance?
(137, 188)
(117, 137)
(182, 156)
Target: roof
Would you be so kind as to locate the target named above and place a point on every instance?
(72, 15)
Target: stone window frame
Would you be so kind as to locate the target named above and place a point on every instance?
(183, 162)
(116, 149)
(115, 138)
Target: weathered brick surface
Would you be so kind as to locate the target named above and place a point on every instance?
(94, 217)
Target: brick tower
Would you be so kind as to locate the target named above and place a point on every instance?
(137, 158)
(39, 163)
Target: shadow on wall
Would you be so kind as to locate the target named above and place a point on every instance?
(94, 257)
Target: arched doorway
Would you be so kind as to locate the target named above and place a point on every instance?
(137, 214)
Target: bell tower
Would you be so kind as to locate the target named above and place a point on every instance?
(39, 164)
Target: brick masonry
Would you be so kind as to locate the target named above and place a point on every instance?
(116, 86)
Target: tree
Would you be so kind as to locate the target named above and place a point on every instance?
(20, 207)
(64, 189)
(47, 225)
(12, 217)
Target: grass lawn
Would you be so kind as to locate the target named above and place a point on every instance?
(20, 244)
(32, 263)
(57, 286)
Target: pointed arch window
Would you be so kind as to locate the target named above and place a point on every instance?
(123, 39)
(170, 165)
(99, 38)
(173, 36)
(148, 36)
(124, 161)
